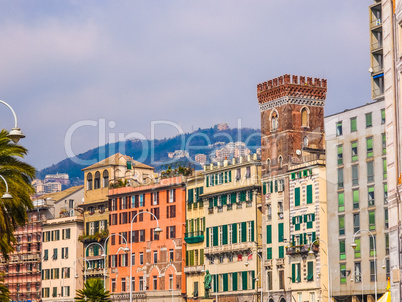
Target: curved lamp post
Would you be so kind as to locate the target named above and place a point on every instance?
(6, 195)
(98, 244)
(157, 230)
(353, 245)
(383, 262)
(62, 280)
(104, 255)
(15, 134)
(329, 270)
(361, 279)
(246, 264)
(160, 275)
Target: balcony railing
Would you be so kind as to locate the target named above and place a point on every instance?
(234, 247)
(301, 249)
(376, 22)
(194, 237)
(194, 269)
(376, 45)
(308, 159)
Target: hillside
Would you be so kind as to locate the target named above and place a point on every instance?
(155, 153)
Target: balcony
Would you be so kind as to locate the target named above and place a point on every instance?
(268, 263)
(375, 23)
(376, 46)
(235, 247)
(301, 249)
(195, 269)
(194, 237)
(280, 261)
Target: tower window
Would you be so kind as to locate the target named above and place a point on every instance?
(280, 161)
(274, 121)
(304, 116)
(305, 141)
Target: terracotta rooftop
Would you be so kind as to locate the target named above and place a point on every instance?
(63, 194)
(114, 160)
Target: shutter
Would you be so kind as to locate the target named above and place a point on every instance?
(250, 195)
(224, 199)
(252, 231)
(215, 235)
(244, 280)
(174, 231)
(207, 237)
(207, 181)
(174, 195)
(225, 234)
(233, 198)
(226, 177)
(167, 232)
(280, 232)
(264, 188)
(87, 227)
(310, 194)
(305, 218)
(225, 282)
(293, 240)
(269, 253)
(216, 179)
(96, 227)
(190, 195)
(293, 220)
(234, 281)
(211, 203)
(313, 236)
(313, 217)
(301, 239)
(119, 261)
(304, 238)
(215, 201)
(297, 197)
(310, 270)
(244, 232)
(234, 233)
(269, 234)
(230, 175)
(253, 278)
(293, 272)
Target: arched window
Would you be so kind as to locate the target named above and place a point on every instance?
(274, 121)
(304, 117)
(97, 180)
(268, 165)
(89, 181)
(280, 161)
(105, 178)
(305, 141)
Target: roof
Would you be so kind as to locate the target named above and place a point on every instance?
(63, 194)
(114, 160)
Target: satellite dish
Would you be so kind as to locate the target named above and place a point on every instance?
(370, 70)
(298, 152)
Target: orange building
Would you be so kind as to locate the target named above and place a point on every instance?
(158, 260)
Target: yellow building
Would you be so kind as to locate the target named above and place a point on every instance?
(115, 171)
(195, 237)
(232, 205)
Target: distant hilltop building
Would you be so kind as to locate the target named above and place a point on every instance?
(200, 158)
(59, 177)
(232, 149)
(178, 154)
(52, 183)
(222, 127)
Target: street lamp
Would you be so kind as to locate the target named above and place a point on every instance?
(15, 134)
(160, 276)
(62, 279)
(6, 195)
(353, 245)
(311, 252)
(361, 279)
(246, 264)
(98, 244)
(157, 230)
(383, 262)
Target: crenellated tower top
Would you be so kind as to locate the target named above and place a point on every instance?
(293, 87)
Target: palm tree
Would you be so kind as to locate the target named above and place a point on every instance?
(13, 212)
(93, 292)
(4, 292)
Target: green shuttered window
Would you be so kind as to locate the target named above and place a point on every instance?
(269, 234)
(280, 232)
(310, 194)
(297, 197)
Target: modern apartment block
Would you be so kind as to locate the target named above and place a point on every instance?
(357, 200)
(232, 205)
(158, 259)
(294, 222)
(62, 258)
(376, 50)
(116, 170)
(195, 237)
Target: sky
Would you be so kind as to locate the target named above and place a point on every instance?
(78, 73)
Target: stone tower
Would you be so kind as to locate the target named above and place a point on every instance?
(292, 120)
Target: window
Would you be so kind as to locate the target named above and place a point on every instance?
(353, 124)
(113, 285)
(274, 121)
(355, 175)
(382, 116)
(54, 254)
(172, 195)
(356, 222)
(171, 255)
(310, 271)
(342, 250)
(141, 200)
(343, 273)
(141, 258)
(340, 154)
(341, 202)
(132, 259)
(358, 271)
(386, 244)
(296, 273)
(385, 193)
(54, 294)
(155, 283)
(304, 117)
(89, 181)
(370, 171)
(384, 169)
(340, 178)
(238, 171)
(373, 246)
(341, 225)
(305, 142)
(155, 199)
(141, 284)
(386, 224)
(105, 179)
(248, 172)
(384, 144)
(123, 284)
(373, 264)
(155, 256)
(171, 283)
(97, 180)
(371, 220)
(280, 162)
(369, 122)
(133, 284)
(354, 151)
(369, 147)
(355, 199)
(297, 197)
(371, 196)
(338, 128)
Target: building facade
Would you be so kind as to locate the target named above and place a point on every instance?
(358, 201)
(294, 189)
(158, 260)
(195, 237)
(232, 206)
